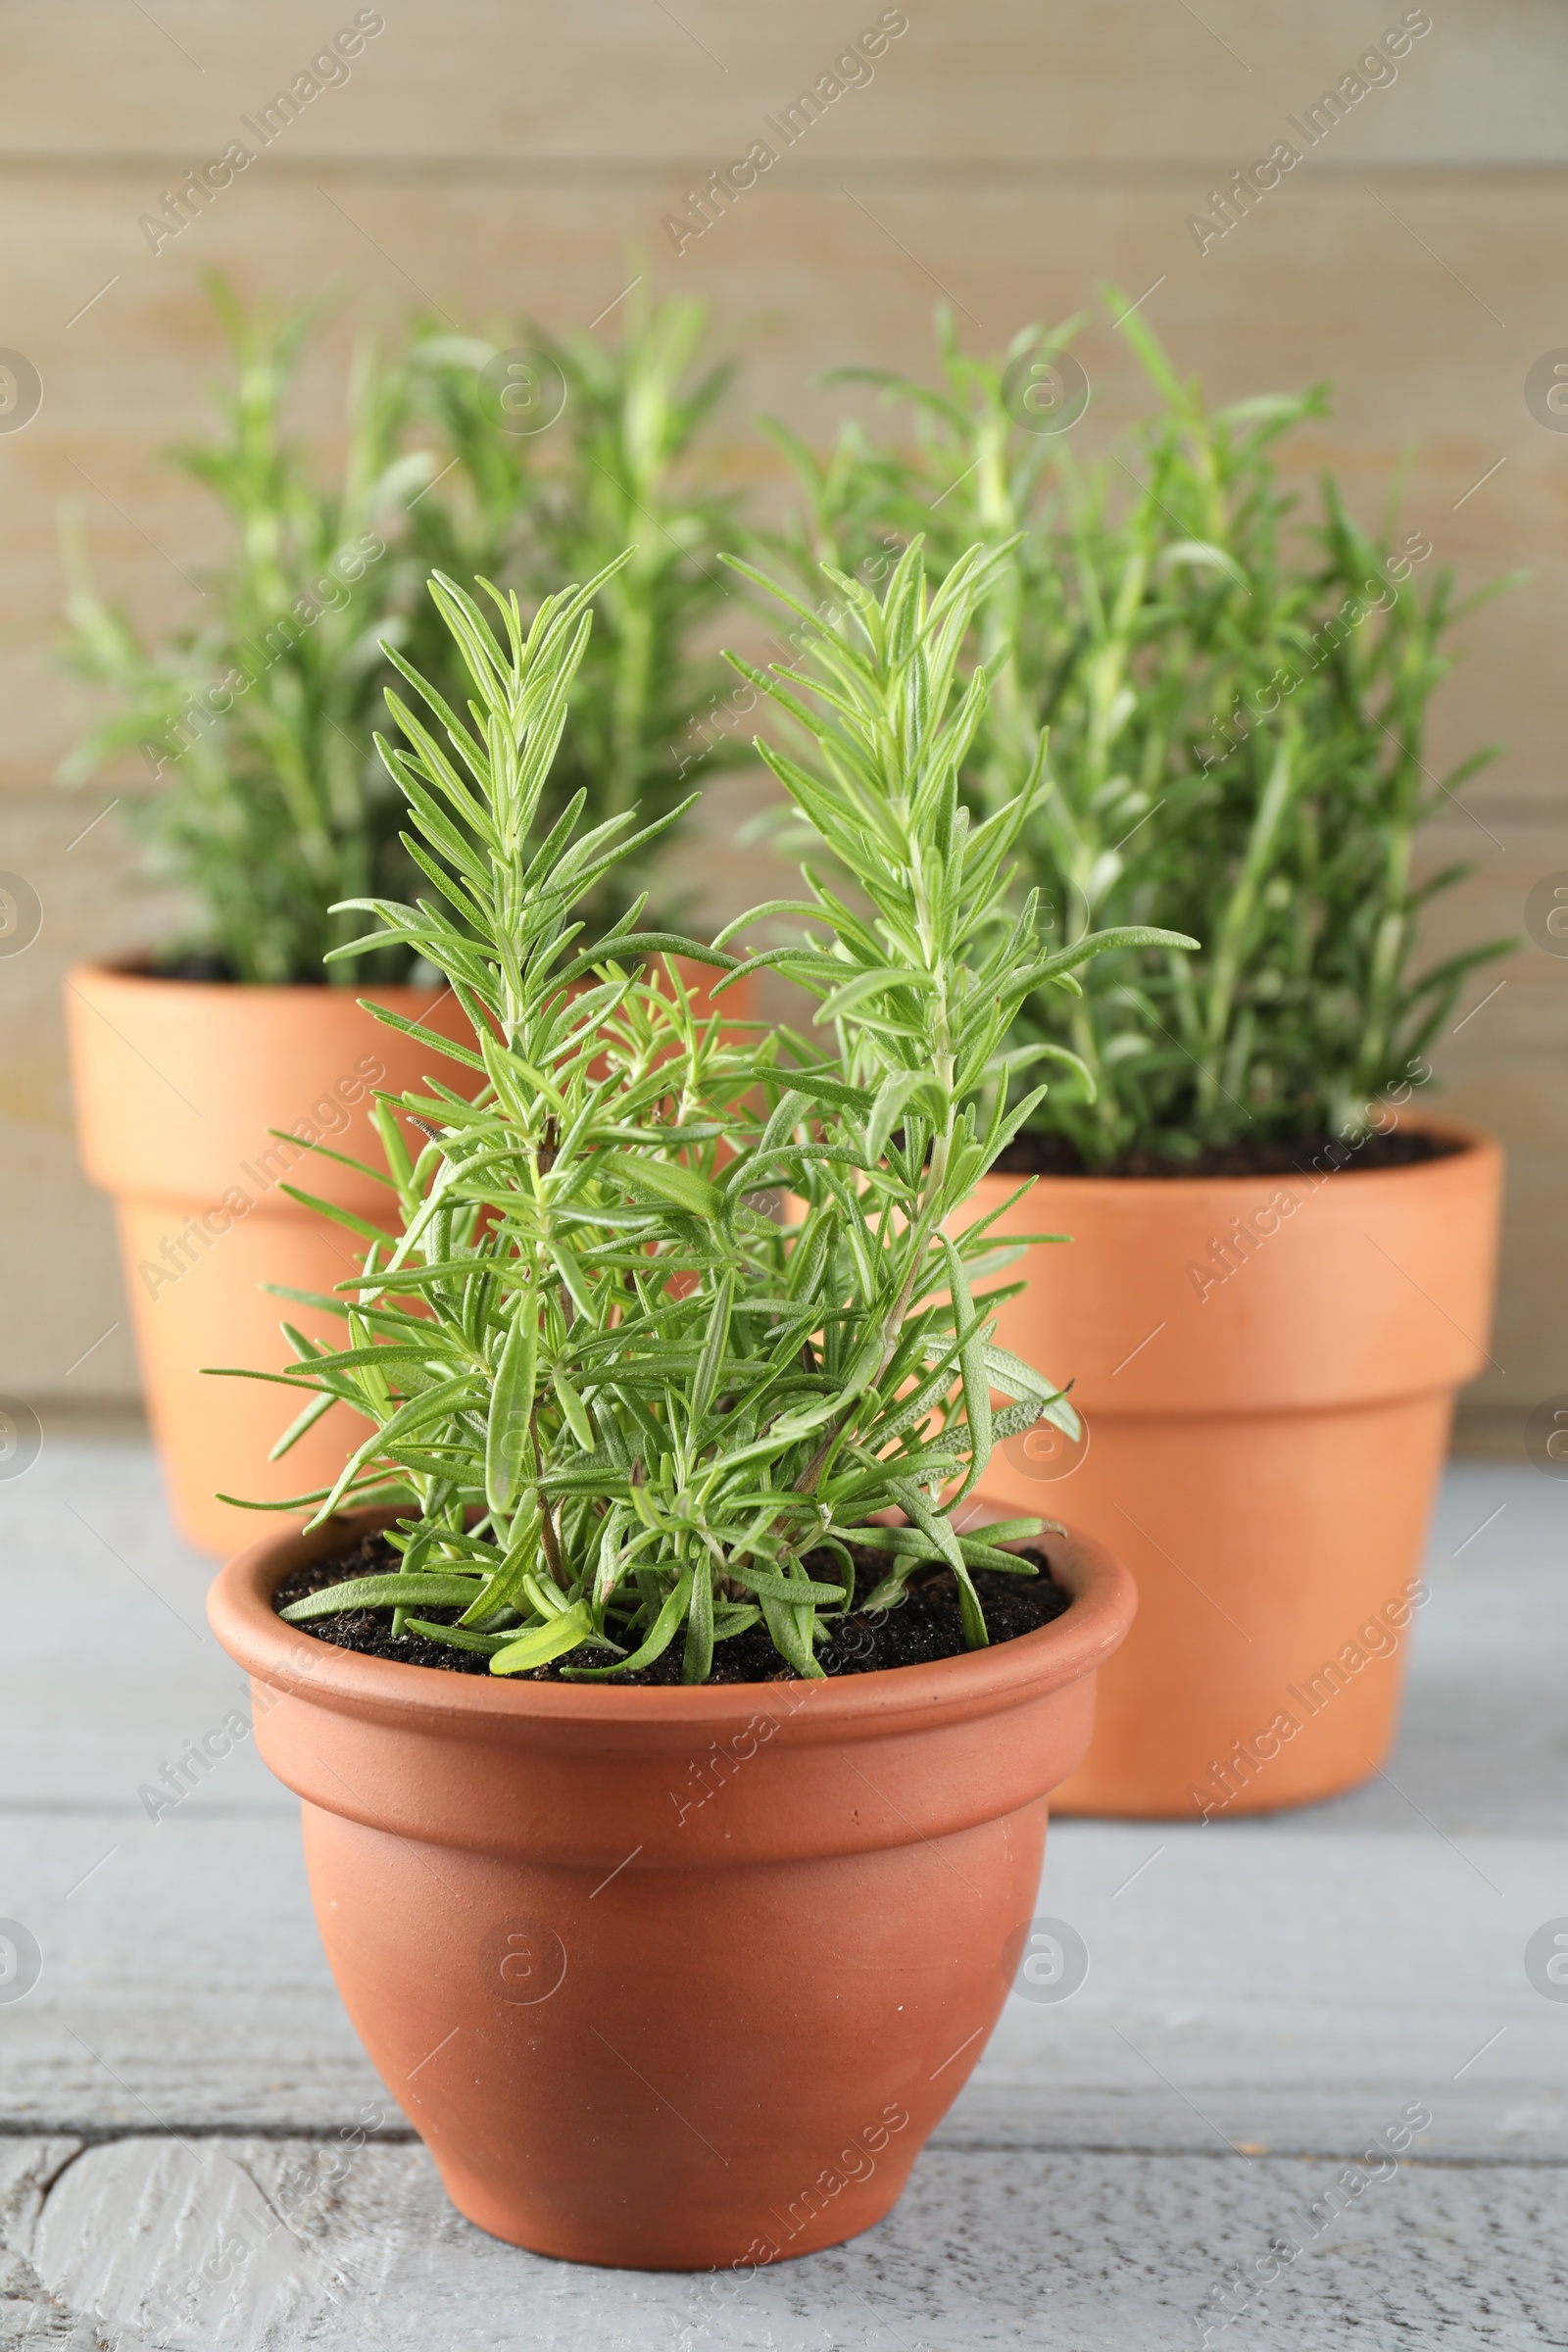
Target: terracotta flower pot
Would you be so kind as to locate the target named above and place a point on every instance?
(177, 1085)
(1266, 1368)
(673, 1977)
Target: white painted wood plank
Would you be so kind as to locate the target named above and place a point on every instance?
(612, 80)
(177, 2243)
(255, 2246)
(108, 1666)
(1285, 1986)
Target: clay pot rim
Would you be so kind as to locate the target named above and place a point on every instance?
(134, 971)
(979, 1682)
(1471, 1140)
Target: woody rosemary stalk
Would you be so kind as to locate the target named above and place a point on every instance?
(618, 1403)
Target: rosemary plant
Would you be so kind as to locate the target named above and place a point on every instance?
(1237, 705)
(269, 803)
(623, 468)
(615, 1403)
(268, 806)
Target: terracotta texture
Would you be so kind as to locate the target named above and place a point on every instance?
(1265, 1427)
(177, 1085)
(671, 1978)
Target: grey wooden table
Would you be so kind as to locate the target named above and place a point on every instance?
(1176, 2154)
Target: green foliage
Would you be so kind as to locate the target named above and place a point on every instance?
(269, 806)
(620, 471)
(622, 1404)
(1236, 707)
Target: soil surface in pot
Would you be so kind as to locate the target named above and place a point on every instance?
(210, 964)
(926, 1625)
(1251, 1156)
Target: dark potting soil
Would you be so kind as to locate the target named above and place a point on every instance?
(1261, 1155)
(926, 1625)
(211, 964)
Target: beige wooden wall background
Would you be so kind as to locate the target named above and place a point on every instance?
(1011, 154)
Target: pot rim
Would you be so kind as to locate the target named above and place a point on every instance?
(134, 971)
(978, 1682)
(1474, 1141)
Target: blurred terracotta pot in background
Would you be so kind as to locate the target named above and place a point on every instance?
(178, 1084)
(1267, 1367)
(639, 2029)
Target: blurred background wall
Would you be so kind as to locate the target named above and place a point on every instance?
(489, 155)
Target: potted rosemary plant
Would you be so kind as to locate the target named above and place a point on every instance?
(1283, 1261)
(202, 1073)
(656, 1660)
